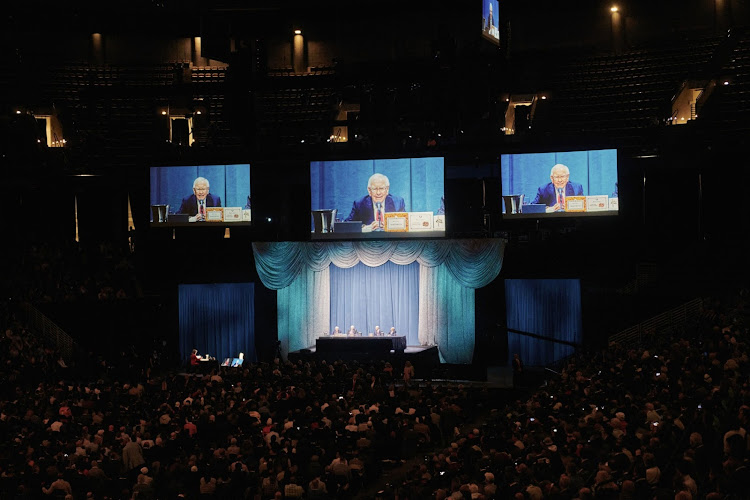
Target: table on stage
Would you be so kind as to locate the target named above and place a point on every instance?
(360, 344)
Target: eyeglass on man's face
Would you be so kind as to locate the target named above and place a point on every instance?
(560, 177)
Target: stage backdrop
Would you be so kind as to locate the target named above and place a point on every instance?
(546, 307)
(449, 272)
(385, 296)
(217, 319)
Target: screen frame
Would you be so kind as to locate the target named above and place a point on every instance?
(376, 235)
(567, 149)
(197, 165)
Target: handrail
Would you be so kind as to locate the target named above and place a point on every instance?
(48, 329)
(677, 316)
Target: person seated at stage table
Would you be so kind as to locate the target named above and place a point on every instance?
(194, 358)
(337, 331)
(370, 210)
(392, 331)
(195, 205)
(352, 331)
(554, 193)
(378, 332)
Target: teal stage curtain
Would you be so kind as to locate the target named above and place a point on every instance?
(450, 271)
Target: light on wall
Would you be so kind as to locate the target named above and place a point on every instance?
(297, 32)
(614, 8)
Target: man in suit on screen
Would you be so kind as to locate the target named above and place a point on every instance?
(553, 193)
(196, 203)
(371, 209)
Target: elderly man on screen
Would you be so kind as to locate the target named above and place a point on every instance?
(370, 210)
(554, 193)
(196, 204)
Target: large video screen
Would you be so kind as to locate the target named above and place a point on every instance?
(377, 198)
(559, 184)
(490, 23)
(200, 194)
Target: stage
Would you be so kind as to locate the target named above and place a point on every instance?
(424, 358)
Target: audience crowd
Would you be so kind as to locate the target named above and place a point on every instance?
(122, 429)
(667, 420)
(64, 272)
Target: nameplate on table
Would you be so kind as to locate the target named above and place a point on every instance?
(397, 222)
(614, 203)
(232, 214)
(420, 221)
(575, 204)
(598, 203)
(214, 214)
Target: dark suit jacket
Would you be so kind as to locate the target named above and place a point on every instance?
(546, 194)
(190, 204)
(362, 209)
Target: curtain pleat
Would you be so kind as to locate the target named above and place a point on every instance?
(382, 296)
(551, 308)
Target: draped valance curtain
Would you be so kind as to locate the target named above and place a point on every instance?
(450, 271)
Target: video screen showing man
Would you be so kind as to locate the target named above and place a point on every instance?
(559, 183)
(229, 187)
(195, 204)
(370, 210)
(413, 187)
(553, 193)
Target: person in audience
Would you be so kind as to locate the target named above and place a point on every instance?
(370, 210)
(58, 485)
(554, 193)
(195, 204)
(408, 372)
(518, 373)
